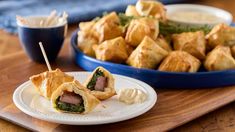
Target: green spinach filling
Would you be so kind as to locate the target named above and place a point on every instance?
(69, 107)
(91, 84)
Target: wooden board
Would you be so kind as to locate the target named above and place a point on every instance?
(173, 108)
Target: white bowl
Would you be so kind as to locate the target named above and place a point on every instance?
(222, 15)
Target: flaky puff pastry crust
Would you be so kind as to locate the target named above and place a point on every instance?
(86, 25)
(131, 11)
(161, 41)
(192, 42)
(180, 61)
(151, 8)
(90, 101)
(47, 82)
(87, 37)
(220, 58)
(147, 55)
(139, 28)
(108, 27)
(114, 50)
(109, 91)
(86, 41)
(221, 34)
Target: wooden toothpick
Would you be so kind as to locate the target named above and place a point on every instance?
(45, 56)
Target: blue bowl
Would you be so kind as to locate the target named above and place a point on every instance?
(52, 39)
(155, 78)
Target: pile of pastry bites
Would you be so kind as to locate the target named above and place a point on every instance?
(69, 95)
(139, 44)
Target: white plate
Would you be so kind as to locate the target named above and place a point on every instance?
(30, 102)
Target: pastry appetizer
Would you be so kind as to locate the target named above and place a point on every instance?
(139, 28)
(87, 37)
(108, 27)
(221, 34)
(192, 42)
(101, 83)
(219, 58)
(72, 97)
(85, 42)
(85, 26)
(180, 61)
(151, 8)
(114, 50)
(147, 55)
(47, 82)
(131, 11)
(163, 43)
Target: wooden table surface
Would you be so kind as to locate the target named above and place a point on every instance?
(222, 119)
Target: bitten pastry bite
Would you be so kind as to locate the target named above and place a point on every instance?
(72, 97)
(108, 27)
(47, 82)
(147, 55)
(219, 58)
(180, 61)
(101, 83)
(221, 34)
(139, 28)
(114, 50)
(192, 42)
(151, 8)
(131, 11)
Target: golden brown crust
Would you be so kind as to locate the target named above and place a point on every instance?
(180, 61)
(47, 82)
(219, 58)
(139, 28)
(114, 50)
(85, 41)
(221, 34)
(83, 26)
(87, 37)
(108, 27)
(161, 41)
(151, 8)
(147, 55)
(192, 42)
(90, 101)
(109, 91)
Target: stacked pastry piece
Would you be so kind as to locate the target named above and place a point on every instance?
(69, 95)
(134, 39)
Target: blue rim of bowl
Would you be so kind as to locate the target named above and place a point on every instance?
(74, 45)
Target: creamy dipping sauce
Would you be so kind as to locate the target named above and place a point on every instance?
(131, 96)
(194, 17)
